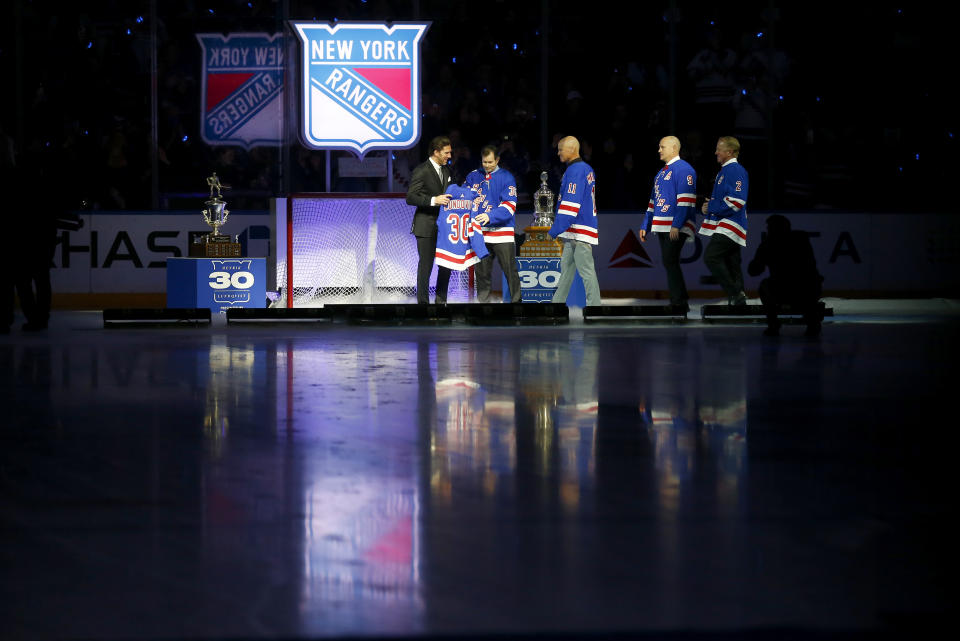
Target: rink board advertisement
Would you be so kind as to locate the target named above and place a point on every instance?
(126, 252)
(854, 252)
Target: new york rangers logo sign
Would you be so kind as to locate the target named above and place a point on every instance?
(360, 85)
(242, 98)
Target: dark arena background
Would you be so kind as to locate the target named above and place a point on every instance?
(336, 462)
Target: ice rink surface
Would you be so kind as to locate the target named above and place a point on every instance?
(638, 480)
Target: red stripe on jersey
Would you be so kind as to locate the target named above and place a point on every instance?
(455, 259)
(584, 232)
(499, 232)
(569, 208)
(733, 229)
(692, 201)
(735, 204)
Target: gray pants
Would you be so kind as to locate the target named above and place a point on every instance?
(577, 257)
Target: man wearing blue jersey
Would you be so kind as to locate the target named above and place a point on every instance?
(498, 190)
(671, 215)
(726, 221)
(576, 223)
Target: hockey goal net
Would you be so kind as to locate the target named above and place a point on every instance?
(350, 248)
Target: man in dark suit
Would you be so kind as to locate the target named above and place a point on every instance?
(428, 182)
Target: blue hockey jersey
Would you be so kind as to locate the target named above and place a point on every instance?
(673, 201)
(459, 240)
(577, 208)
(499, 191)
(727, 209)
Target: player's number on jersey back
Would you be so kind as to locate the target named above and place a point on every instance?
(459, 227)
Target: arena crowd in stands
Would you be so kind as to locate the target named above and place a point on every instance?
(841, 112)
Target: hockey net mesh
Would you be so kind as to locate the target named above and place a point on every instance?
(355, 250)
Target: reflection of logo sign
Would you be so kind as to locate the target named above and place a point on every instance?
(241, 100)
(630, 253)
(360, 85)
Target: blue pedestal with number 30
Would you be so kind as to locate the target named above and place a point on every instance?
(538, 282)
(217, 283)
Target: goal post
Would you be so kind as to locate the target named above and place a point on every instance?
(350, 248)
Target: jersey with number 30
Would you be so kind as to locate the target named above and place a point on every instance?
(459, 239)
(577, 210)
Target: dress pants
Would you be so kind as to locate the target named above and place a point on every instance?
(506, 254)
(427, 250)
(722, 257)
(670, 254)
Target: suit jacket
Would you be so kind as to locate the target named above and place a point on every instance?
(425, 184)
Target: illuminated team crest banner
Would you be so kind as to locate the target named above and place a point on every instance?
(360, 84)
(242, 98)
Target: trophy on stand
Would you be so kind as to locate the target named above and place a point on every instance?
(538, 243)
(215, 245)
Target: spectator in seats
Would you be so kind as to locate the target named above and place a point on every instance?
(8, 185)
(514, 158)
(711, 70)
(625, 191)
(462, 163)
(794, 279)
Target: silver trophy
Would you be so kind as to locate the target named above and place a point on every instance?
(216, 212)
(543, 204)
(214, 245)
(538, 243)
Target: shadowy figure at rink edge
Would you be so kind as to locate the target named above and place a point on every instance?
(794, 279)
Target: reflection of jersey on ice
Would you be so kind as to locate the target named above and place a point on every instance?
(459, 240)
